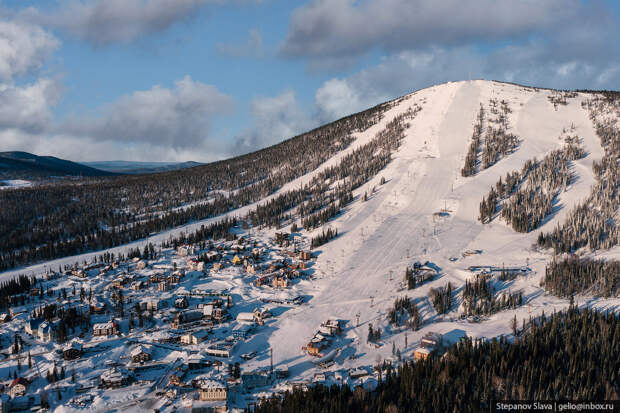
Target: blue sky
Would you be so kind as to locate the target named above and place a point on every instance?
(175, 80)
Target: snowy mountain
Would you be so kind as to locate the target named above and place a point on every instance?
(24, 164)
(426, 169)
(129, 167)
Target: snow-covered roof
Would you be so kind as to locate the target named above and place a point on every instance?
(74, 344)
(245, 317)
(195, 358)
(113, 375)
(103, 326)
(139, 350)
(211, 385)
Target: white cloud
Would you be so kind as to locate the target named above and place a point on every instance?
(82, 149)
(28, 108)
(102, 22)
(340, 97)
(178, 116)
(340, 28)
(405, 71)
(23, 48)
(394, 76)
(274, 119)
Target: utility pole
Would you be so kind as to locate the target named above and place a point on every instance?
(271, 360)
(357, 316)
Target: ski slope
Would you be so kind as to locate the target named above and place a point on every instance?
(395, 226)
(361, 271)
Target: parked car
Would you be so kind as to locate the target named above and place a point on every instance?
(248, 356)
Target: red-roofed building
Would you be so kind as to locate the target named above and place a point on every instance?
(18, 387)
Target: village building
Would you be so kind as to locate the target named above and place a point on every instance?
(114, 378)
(79, 273)
(137, 285)
(181, 302)
(279, 282)
(32, 326)
(246, 318)
(421, 353)
(208, 311)
(319, 342)
(213, 256)
(72, 351)
(96, 307)
(151, 304)
(305, 255)
(47, 331)
(195, 337)
(163, 337)
(186, 317)
(175, 380)
(105, 329)
(314, 348)
(262, 281)
(140, 354)
(253, 379)
(156, 278)
(163, 286)
(330, 327)
(197, 362)
(219, 314)
(241, 331)
(18, 387)
(220, 350)
(213, 390)
(195, 265)
(173, 278)
(261, 314)
(431, 340)
(185, 250)
(210, 406)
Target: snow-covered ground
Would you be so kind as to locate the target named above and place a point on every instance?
(14, 183)
(360, 273)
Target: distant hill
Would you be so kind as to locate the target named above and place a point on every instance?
(27, 165)
(129, 167)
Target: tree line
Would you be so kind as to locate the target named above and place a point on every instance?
(526, 198)
(593, 222)
(572, 355)
(575, 275)
(493, 142)
(56, 220)
(479, 298)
